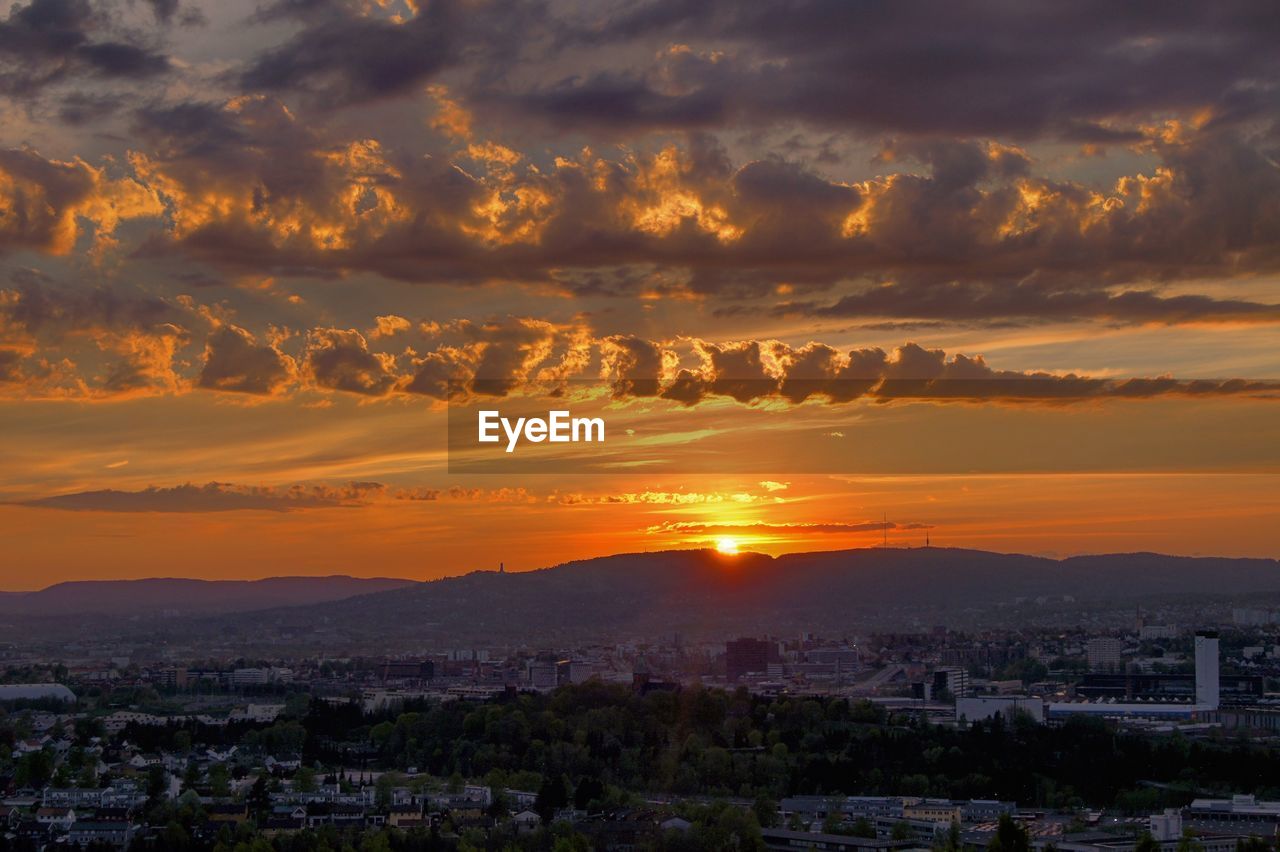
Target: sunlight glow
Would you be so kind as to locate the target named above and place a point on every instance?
(727, 545)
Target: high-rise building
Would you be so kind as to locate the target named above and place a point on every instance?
(1207, 667)
(744, 656)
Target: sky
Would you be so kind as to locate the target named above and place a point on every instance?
(1002, 275)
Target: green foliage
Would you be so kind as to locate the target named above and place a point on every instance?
(578, 744)
(1009, 837)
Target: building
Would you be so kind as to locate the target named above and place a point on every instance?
(407, 670)
(1166, 826)
(987, 810)
(1142, 686)
(71, 797)
(952, 680)
(781, 838)
(172, 678)
(117, 833)
(745, 656)
(543, 675)
(1207, 668)
(933, 810)
(1237, 809)
(1104, 653)
(60, 818)
(35, 692)
(1252, 617)
(1204, 706)
(1104, 841)
(975, 708)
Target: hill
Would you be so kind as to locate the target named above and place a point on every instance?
(188, 597)
(703, 591)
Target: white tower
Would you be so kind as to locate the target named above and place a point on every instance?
(1207, 668)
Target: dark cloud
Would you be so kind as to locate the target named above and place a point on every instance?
(44, 203)
(82, 108)
(235, 362)
(754, 371)
(51, 41)
(215, 497)
(972, 233)
(494, 358)
(634, 365)
(960, 302)
(164, 10)
(38, 308)
(340, 359)
(1090, 73)
(10, 366)
(138, 344)
(344, 55)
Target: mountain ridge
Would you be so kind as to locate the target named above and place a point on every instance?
(187, 595)
(701, 590)
(671, 588)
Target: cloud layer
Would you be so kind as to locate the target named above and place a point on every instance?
(146, 346)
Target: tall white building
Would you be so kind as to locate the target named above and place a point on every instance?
(1207, 667)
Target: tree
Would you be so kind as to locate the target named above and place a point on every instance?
(766, 810)
(384, 788)
(304, 780)
(157, 782)
(1188, 843)
(219, 780)
(1147, 843)
(259, 798)
(552, 796)
(191, 777)
(34, 769)
(953, 842)
(1009, 837)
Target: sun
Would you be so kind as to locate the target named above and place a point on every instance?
(727, 545)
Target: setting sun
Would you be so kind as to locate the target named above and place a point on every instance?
(727, 545)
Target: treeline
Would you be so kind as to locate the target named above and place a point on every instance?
(711, 742)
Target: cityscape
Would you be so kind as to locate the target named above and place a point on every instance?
(1157, 730)
(639, 426)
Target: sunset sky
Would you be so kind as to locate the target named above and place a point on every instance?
(1004, 274)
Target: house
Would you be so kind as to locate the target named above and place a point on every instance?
(71, 797)
(522, 799)
(117, 833)
(334, 813)
(34, 831)
(57, 817)
(290, 811)
(227, 812)
(289, 823)
(526, 821)
(676, 824)
(400, 815)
